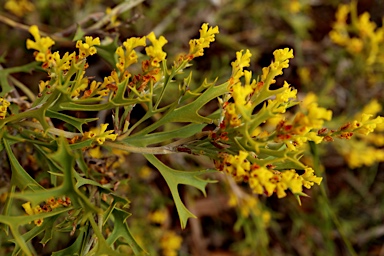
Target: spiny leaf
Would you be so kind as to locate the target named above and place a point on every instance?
(46, 226)
(121, 229)
(154, 138)
(75, 122)
(79, 34)
(75, 248)
(174, 178)
(4, 73)
(20, 177)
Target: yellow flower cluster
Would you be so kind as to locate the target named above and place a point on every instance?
(88, 48)
(51, 61)
(249, 205)
(207, 36)
(3, 107)
(155, 51)
(50, 204)
(128, 56)
(358, 153)
(366, 36)
(264, 180)
(246, 94)
(304, 126)
(19, 7)
(41, 44)
(170, 243)
(281, 61)
(366, 147)
(100, 134)
(158, 216)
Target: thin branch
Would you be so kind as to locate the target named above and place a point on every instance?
(52, 130)
(142, 150)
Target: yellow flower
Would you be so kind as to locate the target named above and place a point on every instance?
(95, 152)
(32, 211)
(294, 6)
(19, 7)
(41, 44)
(367, 125)
(281, 61)
(242, 61)
(233, 200)
(238, 166)
(159, 216)
(365, 26)
(144, 172)
(100, 134)
(170, 243)
(27, 208)
(156, 50)
(259, 181)
(309, 178)
(113, 21)
(207, 35)
(3, 107)
(372, 108)
(355, 45)
(86, 49)
(128, 57)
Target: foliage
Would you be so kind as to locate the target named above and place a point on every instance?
(90, 136)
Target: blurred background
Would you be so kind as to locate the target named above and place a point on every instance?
(339, 58)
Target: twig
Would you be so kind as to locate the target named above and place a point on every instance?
(125, 6)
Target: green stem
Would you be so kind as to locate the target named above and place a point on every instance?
(52, 130)
(335, 219)
(23, 88)
(146, 150)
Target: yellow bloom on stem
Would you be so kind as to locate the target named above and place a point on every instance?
(289, 179)
(156, 50)
(231, 115)
(207, 35)
(260, 181)
(365, 26)
(27, 208)
(86, 49)
(281, 61)
(32, 211)
(170, 243)
(41, 44)
(367, 125)
(3, 107)
(309, 178)
(100, 134)
(19, 7)
(158, 216)
(128, 56)
(294, 6)
(238, 166)
(242, 61)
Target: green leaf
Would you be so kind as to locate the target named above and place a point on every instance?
(47, 226)
(154, 138)
(75, 248)
(4, 73)
(79, 34)
(14, 222)
(189, 112)
(121, 229)
(174, 178)
(107, 51)
(65, 161)
(20, 177)
(75, 122)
